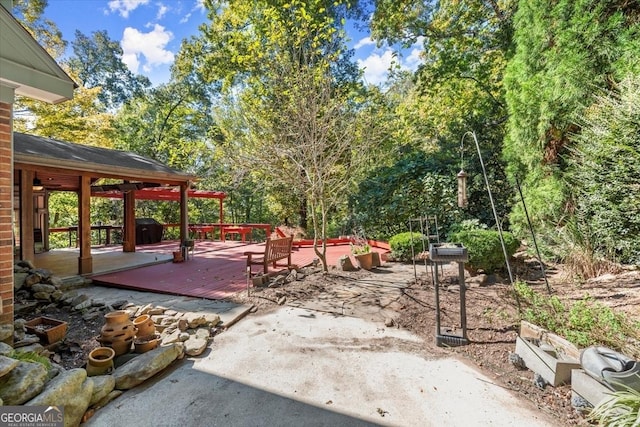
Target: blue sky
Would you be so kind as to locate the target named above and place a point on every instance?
(150, 33)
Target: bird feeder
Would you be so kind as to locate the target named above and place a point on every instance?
(462, 189)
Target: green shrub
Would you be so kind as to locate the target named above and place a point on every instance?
(485, 249)
(586, 322)
(401, 245)
(466, 225)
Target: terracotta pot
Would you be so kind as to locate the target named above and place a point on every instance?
(144, 344)
(119, 316)
(365, 260)
(120, 347)
(118, 332)
(100, 361)
(144, 325)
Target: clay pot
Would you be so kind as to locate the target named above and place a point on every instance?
(143, 344)
(144, 325)
(100, 361)
(118, 332)
(365, 260)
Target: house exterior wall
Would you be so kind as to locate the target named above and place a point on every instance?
(6, 210)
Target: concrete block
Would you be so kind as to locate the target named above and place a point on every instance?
(588, 388)
(554, 370)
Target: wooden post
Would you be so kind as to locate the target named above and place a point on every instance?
(85, 261)
(27, 246)
(129, 232)
(184, 213)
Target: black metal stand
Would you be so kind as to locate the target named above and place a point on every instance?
(440, 254)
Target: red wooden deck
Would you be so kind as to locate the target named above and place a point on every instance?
(217, 270)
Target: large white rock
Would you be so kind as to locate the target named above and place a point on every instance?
(102, 386)
(71, 389)
(143, 367)
(23, 382)
(7, 364)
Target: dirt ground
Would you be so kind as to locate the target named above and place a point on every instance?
(492, 321)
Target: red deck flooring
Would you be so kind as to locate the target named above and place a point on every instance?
(217, 270)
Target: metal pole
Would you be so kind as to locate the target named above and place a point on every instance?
(533, 236)
(413, 255)
(493, 206)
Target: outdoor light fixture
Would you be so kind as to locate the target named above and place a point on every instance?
(37, 185)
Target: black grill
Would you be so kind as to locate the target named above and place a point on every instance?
(148, 230)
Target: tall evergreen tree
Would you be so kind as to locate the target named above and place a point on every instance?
(565, 51)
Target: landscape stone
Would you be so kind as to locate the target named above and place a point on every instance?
(32, 279)
(146, 365)
(6, 331)
(71, 389)
(43, 296)
(345, 264)
(203, 333)
(7, 364)
(56, 281)
(24, 381)
(79, 299)
(43, 287)
(34, 347)
(195, 319)
(108, 398)
(212, 319)
(102, 386)
(195, 346)
(5, 349)
(156, 311)
(18, 280)
(183, 324)
(171, 338)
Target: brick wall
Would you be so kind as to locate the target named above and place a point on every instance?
(6, 235)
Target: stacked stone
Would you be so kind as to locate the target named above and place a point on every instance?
(39, 285)
(31, 383)
(25, 382)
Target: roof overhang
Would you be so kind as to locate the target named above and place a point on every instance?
(39, 153)
(26, 68)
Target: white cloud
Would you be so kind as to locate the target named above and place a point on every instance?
(376, 66)
(364, 42)
(376, 62)
(198, 8)
(151, 46)
(415, 55)
(123, 7)
(162, 10)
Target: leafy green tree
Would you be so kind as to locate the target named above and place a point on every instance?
(292, 93)
(97, 62)
(458, 88)
(46, 32)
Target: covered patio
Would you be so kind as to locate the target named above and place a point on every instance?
(43, 165)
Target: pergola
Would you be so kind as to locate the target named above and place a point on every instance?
(44, 164)
(166, 194)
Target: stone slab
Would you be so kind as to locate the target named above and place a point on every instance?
(588, 388)
(554, 371)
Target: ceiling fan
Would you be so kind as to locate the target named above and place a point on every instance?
(38, 185)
